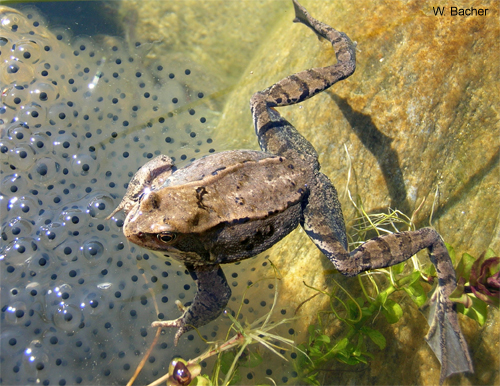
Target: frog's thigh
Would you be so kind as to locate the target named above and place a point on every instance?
(276, 135)
(323, 220)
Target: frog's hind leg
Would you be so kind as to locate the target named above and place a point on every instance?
(321, 223)
(209, 302)
(276, 135)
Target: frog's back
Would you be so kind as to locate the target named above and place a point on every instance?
(228, 188)
(212, 165)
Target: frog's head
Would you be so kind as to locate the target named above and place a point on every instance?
(168, 220)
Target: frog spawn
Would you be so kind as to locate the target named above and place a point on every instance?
(77, 120)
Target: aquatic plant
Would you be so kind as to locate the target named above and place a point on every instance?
(478, 284)
(356, 309)
(478, 287)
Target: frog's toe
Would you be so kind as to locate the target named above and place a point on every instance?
(167, 323)
(178, 323)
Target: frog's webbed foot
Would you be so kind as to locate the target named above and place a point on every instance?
(209, 302)
(150, 176)
(445, 337)
(324, 226)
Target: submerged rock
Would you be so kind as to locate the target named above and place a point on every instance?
(418, 116)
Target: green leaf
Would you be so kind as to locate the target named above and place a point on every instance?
(478, 311)
(408, 280)
(358, 354)
(236, 378)
(252, 359)
(367, 354)
(323, 338)
(398, 268)
(490, 253)
(312, 333)
(375, 336)
(201, 380)
(381, 298)
(464, 266)
(311, 380)
(451, 252)
(359, 346)
(226, 360)
(350, 359)
(417, 293)
(341, 345)
(392, 311)
(344, 352)
(315, 351)
(429, 270)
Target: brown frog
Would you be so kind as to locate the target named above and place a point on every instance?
(232, 205)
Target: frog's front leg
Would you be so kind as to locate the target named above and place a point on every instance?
(320, 223)
(209, 302)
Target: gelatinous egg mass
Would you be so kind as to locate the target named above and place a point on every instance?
(77, 120)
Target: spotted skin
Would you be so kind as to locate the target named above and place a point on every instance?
(149, 176)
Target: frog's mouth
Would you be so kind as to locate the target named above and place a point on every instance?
(187, 248)
(149, 241)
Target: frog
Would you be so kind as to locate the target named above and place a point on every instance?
(233, 205)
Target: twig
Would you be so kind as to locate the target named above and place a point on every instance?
(144, 359)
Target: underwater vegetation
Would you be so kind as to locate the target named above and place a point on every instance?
(416, 126)
(358, 313)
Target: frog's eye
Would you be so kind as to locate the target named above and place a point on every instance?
(166, 237)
